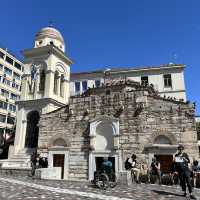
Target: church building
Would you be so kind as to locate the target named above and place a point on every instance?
(113, 120)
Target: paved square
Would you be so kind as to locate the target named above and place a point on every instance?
(24, 188)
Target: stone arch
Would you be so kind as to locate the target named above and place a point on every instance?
(103, 133)
(60, 68)
(162, 139)
(32, 129)
(95, 122)
(165, 136)
(59, 140)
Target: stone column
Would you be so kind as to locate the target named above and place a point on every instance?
(20, 131)
(49, 84)
(58, 85)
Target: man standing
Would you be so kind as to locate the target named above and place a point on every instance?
(181, 166)
(155, 169)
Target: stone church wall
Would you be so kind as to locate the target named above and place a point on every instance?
(142, 117)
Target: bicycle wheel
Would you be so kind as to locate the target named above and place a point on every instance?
(112, 180)
(103, 181)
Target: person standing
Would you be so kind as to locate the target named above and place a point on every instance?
(33, 163)
(155, 169)
(181, 166)
(195, 170)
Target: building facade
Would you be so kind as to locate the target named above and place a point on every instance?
(11, 70)
(115, 121)
(44, 64)
(167, 79)
(118, 117)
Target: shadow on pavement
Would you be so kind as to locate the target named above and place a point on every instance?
(160, 192)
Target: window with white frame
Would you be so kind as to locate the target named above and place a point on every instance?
(9, 60)
(84, 86)
(7, 71)
(97, 83)
(14, 96)
(2, 118)
(144, 80)
(2, 55)
(3, 105)
(167, 80)
(5, 93)
(77, 87)
(12, 108)
(10, 120)
(16, 76)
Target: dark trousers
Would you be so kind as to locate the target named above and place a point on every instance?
(33, 168)
(184, 177)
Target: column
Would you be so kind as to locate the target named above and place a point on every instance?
(49, 84)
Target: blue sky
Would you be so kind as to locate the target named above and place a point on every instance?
(116, 33)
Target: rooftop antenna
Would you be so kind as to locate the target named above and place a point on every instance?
(51, 24)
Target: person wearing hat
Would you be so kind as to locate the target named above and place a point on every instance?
(181, 166)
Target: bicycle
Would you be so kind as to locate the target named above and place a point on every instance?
(105, 180)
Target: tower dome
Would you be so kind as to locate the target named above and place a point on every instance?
(49, 36)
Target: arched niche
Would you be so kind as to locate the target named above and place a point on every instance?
(162, 139)
(58, 153)
(59, 140)
(32, 129)
(104, 132)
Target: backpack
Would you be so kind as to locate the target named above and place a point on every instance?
(127, 164)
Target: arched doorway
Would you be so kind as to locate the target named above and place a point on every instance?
(164, 159)
(162, 146)
(59, 155)
(104, 142)
(32, 129)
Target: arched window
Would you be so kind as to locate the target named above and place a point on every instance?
(56, 77)
(42, 80)
(62, 79)
(32, 129)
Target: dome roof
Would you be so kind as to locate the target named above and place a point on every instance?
(49, 32)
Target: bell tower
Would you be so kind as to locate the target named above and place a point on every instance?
(47, 70)
(45, 88)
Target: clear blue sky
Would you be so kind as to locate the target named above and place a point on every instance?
(124, 33)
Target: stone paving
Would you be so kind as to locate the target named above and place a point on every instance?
(25, 188)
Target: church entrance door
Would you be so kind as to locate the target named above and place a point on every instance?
(58, 161)
(99, 161)
(165, 162)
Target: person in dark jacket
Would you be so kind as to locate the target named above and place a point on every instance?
(181, 165)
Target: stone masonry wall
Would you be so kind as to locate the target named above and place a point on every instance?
(142, 117)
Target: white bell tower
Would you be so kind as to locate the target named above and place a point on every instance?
(45, 88)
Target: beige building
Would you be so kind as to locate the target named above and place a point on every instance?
(167, 79)
(11, 70)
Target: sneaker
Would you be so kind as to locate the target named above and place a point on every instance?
(192, 196)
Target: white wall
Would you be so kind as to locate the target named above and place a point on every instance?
(155, 77)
